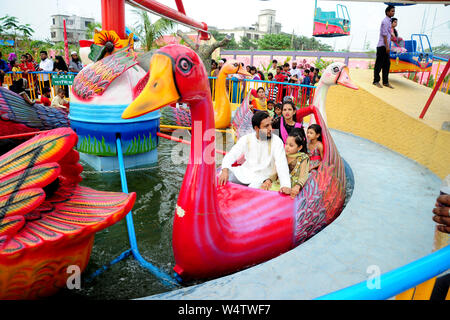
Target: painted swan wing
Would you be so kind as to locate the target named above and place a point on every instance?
(39, 197)
(26, 117)
(94, 79)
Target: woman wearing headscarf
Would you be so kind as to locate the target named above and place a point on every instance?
(60, 66)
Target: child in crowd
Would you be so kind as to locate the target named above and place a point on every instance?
(45, 98)
(315, 146)
(15, 68)
(307, 81)
(315, 78)
(272, 89)
(59, 101)
(298, 162)
(270, 108)
(277, 111)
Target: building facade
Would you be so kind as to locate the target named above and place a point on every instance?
(76, 28)
(266, 25)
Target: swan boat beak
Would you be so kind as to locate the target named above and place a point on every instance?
(344, 79)
(243, 72)
(159, 91)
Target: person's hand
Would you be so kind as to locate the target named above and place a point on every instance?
(387, 50)
(285, 190)
(442, 213)
(295, 191)
(223, 178)
(267, 184)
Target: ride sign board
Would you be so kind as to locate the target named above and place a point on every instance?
(63, 79)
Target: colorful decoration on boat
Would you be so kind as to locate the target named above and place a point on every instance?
(101, 92)
(107, 42)
(219, 230)
(94, 79)
(17, 116)
(48, 221)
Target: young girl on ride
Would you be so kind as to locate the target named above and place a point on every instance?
(298, 162)
(286, 122)
(259, 103)
(315, 146)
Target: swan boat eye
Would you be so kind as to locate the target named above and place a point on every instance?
(184, 65)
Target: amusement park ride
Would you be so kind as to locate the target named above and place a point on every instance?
(48, 222)
(331, 23)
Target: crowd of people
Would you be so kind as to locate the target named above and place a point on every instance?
(23, 82)
(274, 92)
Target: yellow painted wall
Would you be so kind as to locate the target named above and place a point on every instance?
(363, 114)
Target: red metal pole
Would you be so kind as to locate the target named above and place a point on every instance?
(169, 13)
(66, 43)
(180, 6)
(113, 16)
(436, 88)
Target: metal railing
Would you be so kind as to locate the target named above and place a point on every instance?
(302, 95)
(36, 82)
(398, 280)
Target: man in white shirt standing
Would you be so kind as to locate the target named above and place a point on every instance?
(46, 64)
(297, 73)
(264, 155)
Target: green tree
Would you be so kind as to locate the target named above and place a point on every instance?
(11, 28)
(91, 29)
(247, 44)
(309, 44)
(274, 42)
(150, 32)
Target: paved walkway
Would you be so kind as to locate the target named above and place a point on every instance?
(407, 96)
(387, 223)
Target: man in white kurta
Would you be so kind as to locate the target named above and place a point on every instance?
(264, 155)
(46, 64)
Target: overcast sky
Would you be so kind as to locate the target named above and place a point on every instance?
(294, 15)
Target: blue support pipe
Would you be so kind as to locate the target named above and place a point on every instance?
(122, 256)
(398, 280)
(164, 277)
